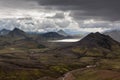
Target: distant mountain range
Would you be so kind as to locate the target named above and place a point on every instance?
(76, 32)
(62, 32)
(4, 32)
(49, 36)
(52, 35)
(115, 34)
(17, 33)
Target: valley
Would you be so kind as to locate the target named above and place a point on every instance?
(31, 57)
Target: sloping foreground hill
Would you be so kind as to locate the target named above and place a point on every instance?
(26, 43)
(94, 55)
(105, 53)
(91, 74)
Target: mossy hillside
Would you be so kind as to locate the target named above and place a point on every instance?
(96, 74)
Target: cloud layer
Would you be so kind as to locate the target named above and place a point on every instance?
(67, 14)
(104, 9)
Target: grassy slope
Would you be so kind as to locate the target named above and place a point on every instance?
(96, 74)
(32, 64)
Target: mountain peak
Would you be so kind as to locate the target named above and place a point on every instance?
(97, 39)
(62, 32)
(16, 29)
(16, 32)
(4, 32)
(95, 34)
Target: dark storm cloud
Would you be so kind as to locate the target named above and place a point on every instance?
(104, 9)
(63, 13)
(17, 4)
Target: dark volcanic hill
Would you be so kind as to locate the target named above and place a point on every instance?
(94, 40)
(4, 32)
(17, 33)
(115, 34)
(96, 45)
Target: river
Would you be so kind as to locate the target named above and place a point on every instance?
(65, 40)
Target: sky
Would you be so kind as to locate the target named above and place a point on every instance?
(49, 15)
